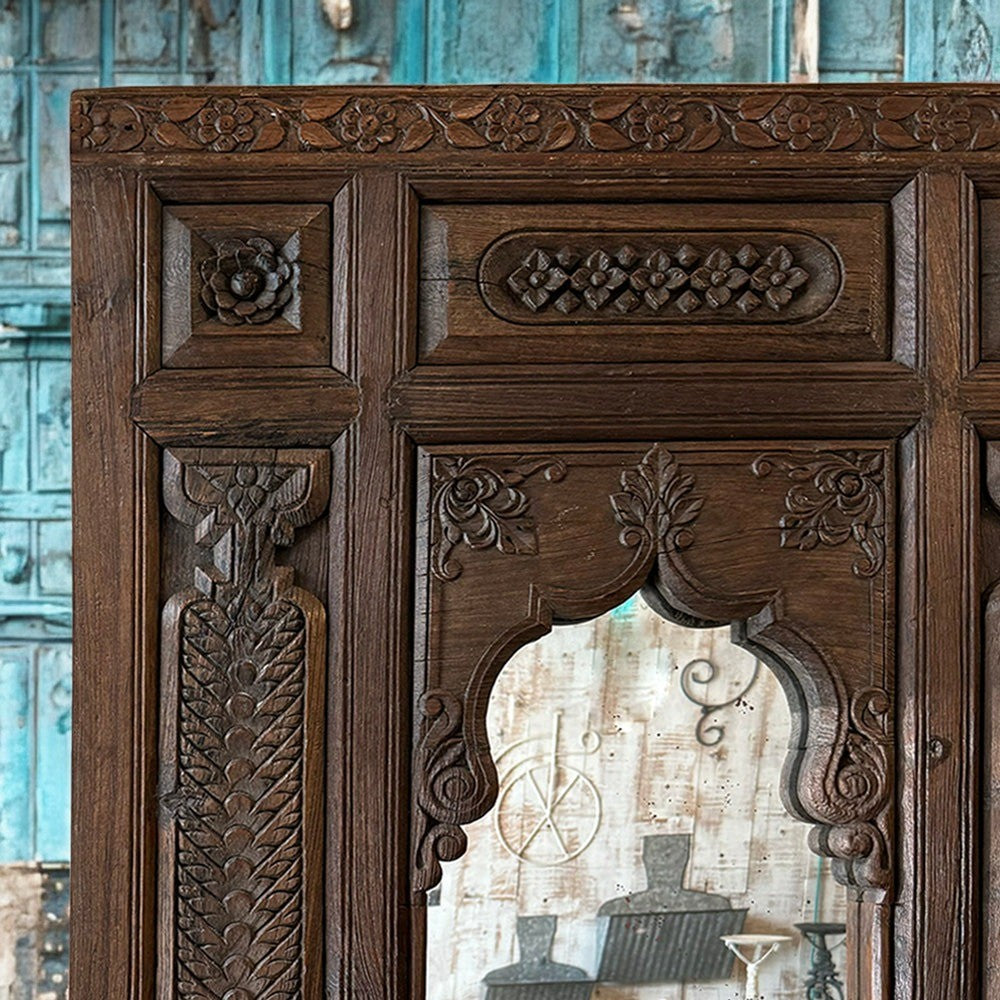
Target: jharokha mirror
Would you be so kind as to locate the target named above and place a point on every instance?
(638, 823)
(535, 543)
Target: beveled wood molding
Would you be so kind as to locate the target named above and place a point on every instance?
(243, 664)
(235, 407)
(663, 121)
(657, 521)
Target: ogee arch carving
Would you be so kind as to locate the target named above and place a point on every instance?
(700, 533)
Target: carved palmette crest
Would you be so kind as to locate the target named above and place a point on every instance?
(656, 504)
(239, 649)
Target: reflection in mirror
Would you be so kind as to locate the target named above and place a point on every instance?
(638, 848)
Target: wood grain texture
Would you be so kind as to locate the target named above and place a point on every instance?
(111, 786)
(828, 501)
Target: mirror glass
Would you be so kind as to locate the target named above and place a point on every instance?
(639, 841)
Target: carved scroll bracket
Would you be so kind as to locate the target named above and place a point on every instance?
(242, 650)
(838, 774)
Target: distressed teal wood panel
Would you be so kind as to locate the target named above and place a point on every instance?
(53, 697)
(861, 42)
(469, 41)
(15, 558)
(147, 32)
(14, 418)
(13, 154)
(222, 43)
(362, 54)
(950, 40)
(52, 425)
(682, 41)
(68, 33)
(16, 771)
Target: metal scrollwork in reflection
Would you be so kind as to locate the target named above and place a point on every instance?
(702, 672)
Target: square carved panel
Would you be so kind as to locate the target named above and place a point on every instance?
(245, 284)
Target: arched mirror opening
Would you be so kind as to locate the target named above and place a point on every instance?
(639, 823)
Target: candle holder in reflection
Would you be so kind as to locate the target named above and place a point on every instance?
(823, 981)
(763, 945)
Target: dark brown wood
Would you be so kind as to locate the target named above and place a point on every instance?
(421, 394)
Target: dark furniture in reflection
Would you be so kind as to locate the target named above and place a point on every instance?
(823, 981)
(667, 934)
(535, 976)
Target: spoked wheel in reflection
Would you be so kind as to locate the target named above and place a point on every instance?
(547, 812)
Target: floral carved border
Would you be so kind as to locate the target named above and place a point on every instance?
(665, 120)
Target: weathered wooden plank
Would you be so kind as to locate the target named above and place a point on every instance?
(55, 570)
(472, 41)
(12, 157)
(147, 33)
(52, 426)
(51, 176)
(68, 32)
(861, 41)
(321, 54)
(221, 43)
(804, 59)
(14, 417)
(675, 40)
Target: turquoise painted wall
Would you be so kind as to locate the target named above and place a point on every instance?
(49, 47)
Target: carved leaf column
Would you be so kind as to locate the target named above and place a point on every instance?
(243, 654)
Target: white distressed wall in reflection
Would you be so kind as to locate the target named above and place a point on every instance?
(615, 682)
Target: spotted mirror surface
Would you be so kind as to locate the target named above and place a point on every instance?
(638, 823)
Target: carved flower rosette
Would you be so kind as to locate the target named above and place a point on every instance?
(248, 281)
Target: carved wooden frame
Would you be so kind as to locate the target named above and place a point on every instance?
(838, 775)
(461, 502)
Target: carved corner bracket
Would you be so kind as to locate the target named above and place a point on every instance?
(242, 662)
(660, 524)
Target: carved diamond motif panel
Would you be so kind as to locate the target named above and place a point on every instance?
(643, 277)
(664, 281)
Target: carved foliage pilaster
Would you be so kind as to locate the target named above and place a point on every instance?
(240, 651)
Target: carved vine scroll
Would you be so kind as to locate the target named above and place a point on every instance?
(663, 522)
(242, 649)
(369, 122)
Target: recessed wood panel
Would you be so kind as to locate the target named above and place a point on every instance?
(529, 283)
(989, 278)
(245, 284)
